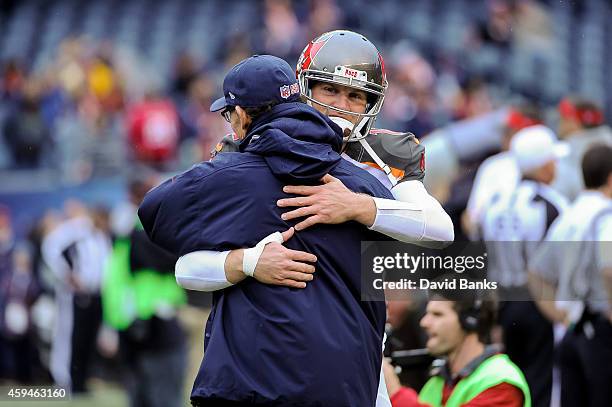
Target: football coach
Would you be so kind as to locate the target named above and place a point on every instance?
(265, 344)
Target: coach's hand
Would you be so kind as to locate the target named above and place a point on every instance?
(329, 203)
(281, 266)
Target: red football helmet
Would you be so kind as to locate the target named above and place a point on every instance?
(345, 58)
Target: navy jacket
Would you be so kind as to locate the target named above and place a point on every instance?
(264, 344)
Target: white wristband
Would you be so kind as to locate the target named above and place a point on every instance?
(252, 255)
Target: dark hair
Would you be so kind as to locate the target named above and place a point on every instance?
(476, 310)
(255, 112)
(588, 113)
(597, 166)
(522, 115)
(485, 313)
(531, 110)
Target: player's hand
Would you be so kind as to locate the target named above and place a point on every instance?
(329, 203)
(281, 266)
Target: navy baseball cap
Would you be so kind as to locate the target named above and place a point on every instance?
(258, 81)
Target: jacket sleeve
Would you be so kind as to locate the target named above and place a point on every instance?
(193, 211)
(164, 212)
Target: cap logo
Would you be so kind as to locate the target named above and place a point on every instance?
(231, 95)
(287, 90)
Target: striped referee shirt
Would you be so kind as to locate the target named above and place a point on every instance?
(513, 225)
(576, 250)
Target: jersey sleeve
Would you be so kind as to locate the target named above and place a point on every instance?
(604, 242)
(400, 151)
(228, 144)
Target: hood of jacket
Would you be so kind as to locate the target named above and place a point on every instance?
(299, 144)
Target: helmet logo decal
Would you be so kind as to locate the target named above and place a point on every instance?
(382, 67)
(311, 52)
(422, 162)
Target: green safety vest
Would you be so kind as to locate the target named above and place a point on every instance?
(128, 296)
(493, 371)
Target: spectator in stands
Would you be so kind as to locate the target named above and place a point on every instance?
(104, 83)
(496, 29)
(11, 84)
(581, 124)
(282, 33)
(410, 104)
(153, 130)
(199, 126)
(25, 130)
(325, 16)
(185, 73)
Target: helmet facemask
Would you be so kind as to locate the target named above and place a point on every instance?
(363, 121)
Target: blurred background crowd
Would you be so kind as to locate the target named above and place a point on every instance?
(96, 97)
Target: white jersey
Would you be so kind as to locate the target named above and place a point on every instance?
(569, 180)
(513, 224)
(576, 250)
(497, 176)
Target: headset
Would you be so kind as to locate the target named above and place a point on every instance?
(469, 319)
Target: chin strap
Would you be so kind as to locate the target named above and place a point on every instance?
(345, 124)
(379, 161)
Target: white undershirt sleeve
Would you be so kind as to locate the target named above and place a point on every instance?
(382, 396)
(203, 270)
(414, 217)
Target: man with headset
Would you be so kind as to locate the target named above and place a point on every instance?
(470, 372)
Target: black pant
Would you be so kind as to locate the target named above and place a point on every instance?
(87, 318)
(529, 342)
(585, 355)
(155, 378)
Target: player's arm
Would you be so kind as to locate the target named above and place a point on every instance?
(413, 217)
(542, 278)
(269, 262)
